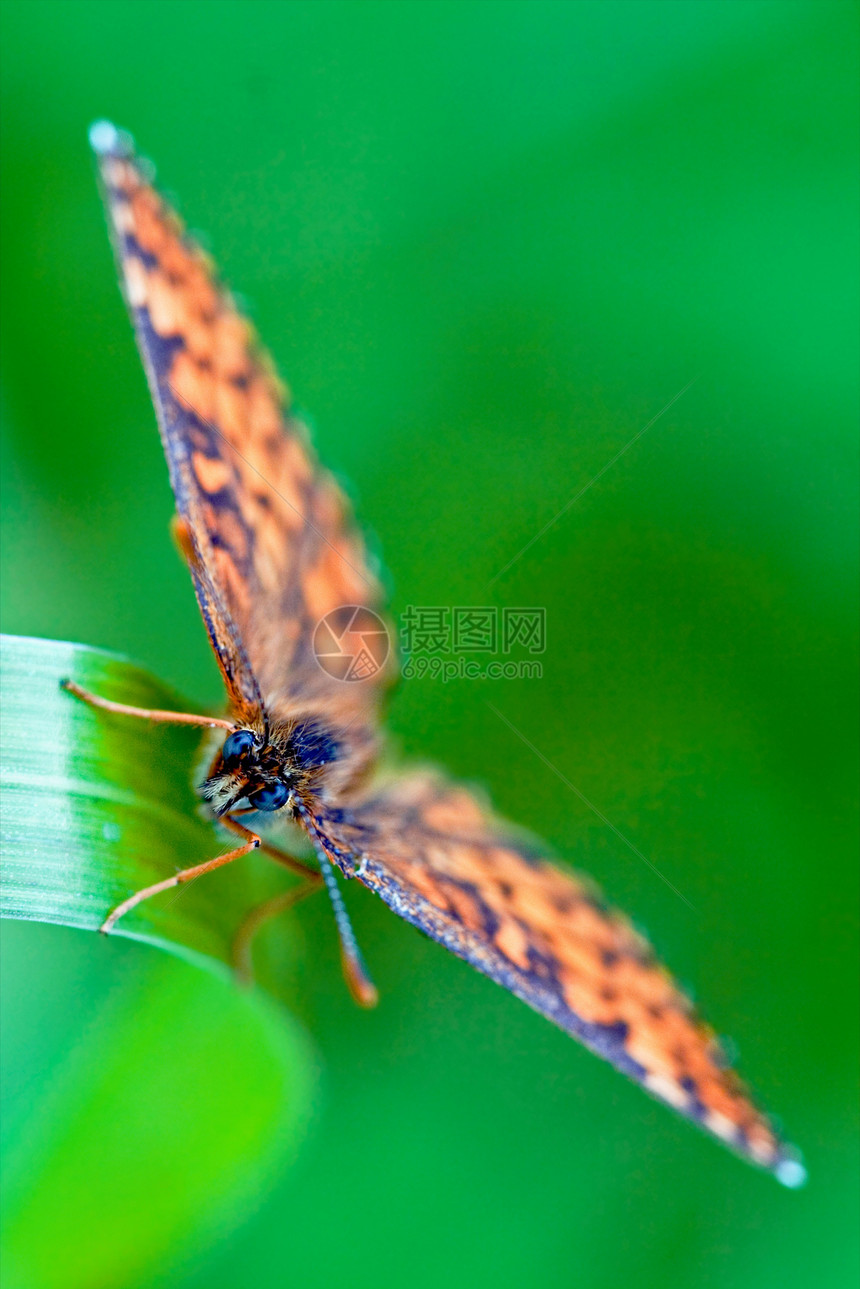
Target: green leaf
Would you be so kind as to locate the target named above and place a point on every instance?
(169, 1117)
(97, 805)
(160, 1130)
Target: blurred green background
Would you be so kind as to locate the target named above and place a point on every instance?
(486, 243)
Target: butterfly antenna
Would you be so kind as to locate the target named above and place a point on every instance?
(357, 977)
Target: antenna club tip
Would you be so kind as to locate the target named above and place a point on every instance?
(367, 996)
(361, 987)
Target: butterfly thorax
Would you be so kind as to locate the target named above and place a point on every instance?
(269, 767)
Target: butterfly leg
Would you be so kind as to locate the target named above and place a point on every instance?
(256, 917)
(180, 531)
(144, 713)
(178, 879)
(298, 866)
(253, 920)
(358, 981)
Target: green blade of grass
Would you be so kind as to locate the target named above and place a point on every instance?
(168, 1118)
(97, 805)
(156, 1135)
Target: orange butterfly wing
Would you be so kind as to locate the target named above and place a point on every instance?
(267, 533)
(439, 860)
(272, 550)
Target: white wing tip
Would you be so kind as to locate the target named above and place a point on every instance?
(107, 141)
(791, 1173)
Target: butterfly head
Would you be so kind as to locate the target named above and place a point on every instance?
(249, 769)
(269, 773)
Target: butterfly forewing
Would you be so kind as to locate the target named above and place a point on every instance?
(436, 856)
(269, 536)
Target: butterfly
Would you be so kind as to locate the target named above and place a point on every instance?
(273, 553)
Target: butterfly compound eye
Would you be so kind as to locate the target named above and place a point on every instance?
(271, 798)
(236, 746)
